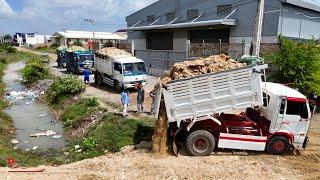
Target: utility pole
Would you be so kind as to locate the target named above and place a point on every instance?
(93, 23)
(64, 34)
(258, 29)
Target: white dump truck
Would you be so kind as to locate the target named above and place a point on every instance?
(118, 69)
(235, 109)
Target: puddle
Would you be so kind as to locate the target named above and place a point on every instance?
(30, 117)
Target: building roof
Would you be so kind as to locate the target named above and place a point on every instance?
(308, 4)
(88, 35)
(281, 90)
(227, 22)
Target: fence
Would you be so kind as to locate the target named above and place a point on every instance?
(235, 50)
(158, 61)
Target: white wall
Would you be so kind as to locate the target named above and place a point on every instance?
(140, 44)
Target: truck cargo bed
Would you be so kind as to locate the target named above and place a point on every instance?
(204, 95)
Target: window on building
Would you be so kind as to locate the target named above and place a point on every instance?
(151, 19)
(170, 16)
(192, 14)
(297, 108)
(224, 9)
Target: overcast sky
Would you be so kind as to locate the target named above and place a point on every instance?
(48, 16)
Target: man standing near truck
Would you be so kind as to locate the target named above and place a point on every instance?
(140, 97)
(86, 74)
(125, 100)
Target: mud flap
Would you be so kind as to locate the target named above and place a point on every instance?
(174, 144)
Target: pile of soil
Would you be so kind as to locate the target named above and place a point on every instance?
(113, 52)
(76, 48)
(197, 67)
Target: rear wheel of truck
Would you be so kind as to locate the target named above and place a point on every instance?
(200, 143)
(278, 145)
(117, 86)
(98, 78)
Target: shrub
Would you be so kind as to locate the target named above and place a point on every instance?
(298, 64)
(64, 87)
(35, 70)
(79, 111)
(11, 49)
(54, 45)
(78, 43)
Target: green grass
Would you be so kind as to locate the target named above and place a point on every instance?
(77, 112)
(112, 133)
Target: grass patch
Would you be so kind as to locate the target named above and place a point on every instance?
(65, 87)
(75, 113)
(112, 133)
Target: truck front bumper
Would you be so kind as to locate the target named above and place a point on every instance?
(133, 84)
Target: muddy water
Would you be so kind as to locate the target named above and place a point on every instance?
(30, 117)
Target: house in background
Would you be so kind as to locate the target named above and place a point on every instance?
(29, 39)
(62, 37)
(168, 31)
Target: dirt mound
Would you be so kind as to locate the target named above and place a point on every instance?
(113, 52)
(76, 48)
(197, 67)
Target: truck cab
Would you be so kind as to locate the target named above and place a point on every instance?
(128, 71)
(288, 111)
(79, 60)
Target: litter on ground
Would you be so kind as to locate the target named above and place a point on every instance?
(44, 133)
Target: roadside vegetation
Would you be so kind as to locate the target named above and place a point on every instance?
(46, 49)
(36, 69)
(64, 87)
(80, 110)
(297, 64)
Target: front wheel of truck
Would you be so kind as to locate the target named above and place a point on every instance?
(278, 145)
(117, 86)
(200, 143)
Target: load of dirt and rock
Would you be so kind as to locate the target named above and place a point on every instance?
(211, 64)
(76, 48)
(113, 52)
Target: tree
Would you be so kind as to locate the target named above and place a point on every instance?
(78, 43)
(7, 37)
(297, 64)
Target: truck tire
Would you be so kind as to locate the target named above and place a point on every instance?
(117, 86)
(200, 143)
(278, 145)
(98, 79)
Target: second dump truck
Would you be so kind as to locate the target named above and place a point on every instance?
(118, 69)
(78, 60)
(235, 109)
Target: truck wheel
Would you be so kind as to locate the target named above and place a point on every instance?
(278, 145)
(200, 143)
(98, 79)
(117, 86)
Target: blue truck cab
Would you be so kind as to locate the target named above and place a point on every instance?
(77, 61)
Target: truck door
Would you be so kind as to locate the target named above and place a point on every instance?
(117, 71)
(280, 115)
(297, 119)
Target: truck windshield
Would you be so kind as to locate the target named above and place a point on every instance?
(85, 57)
(134, 69)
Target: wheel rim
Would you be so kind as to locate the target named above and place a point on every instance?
(278, 146)
(201, 145)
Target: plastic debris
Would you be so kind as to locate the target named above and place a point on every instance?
(56, 136)
(44, 133)
(35, 147)
(42, 115)
(77, 146)
(27, 150)
(14, 141)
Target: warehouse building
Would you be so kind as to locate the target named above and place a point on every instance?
(62, 37)
(173, 30)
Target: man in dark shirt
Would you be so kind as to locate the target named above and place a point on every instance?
(140, 97)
